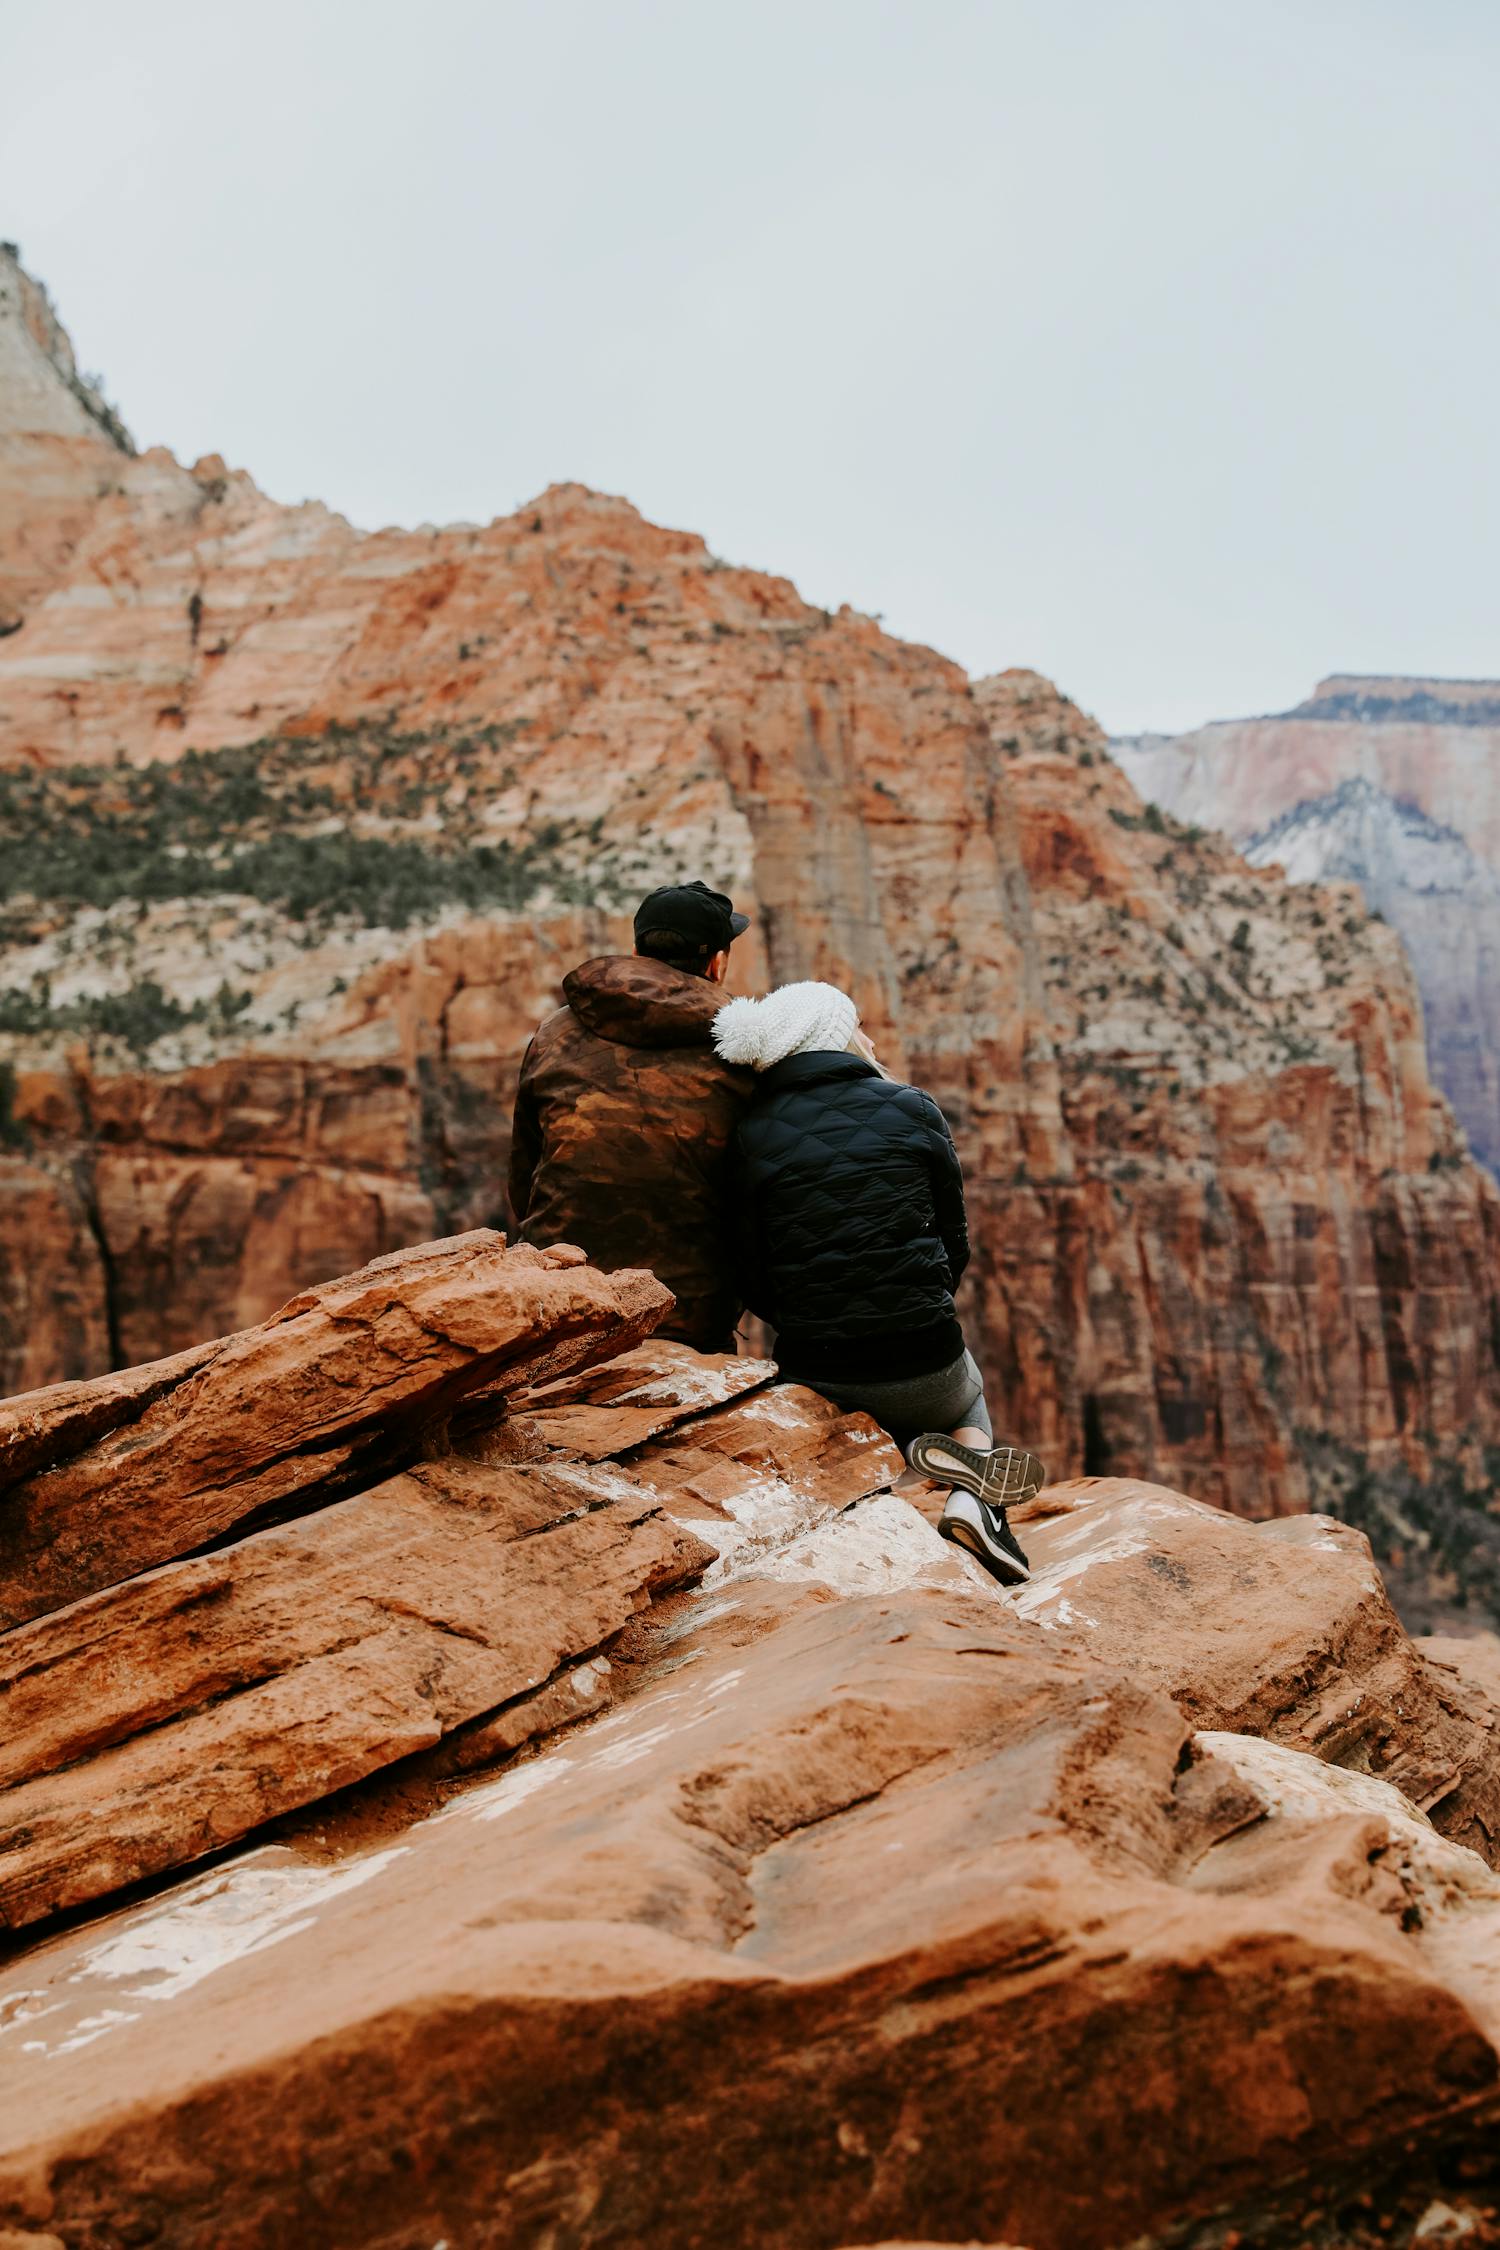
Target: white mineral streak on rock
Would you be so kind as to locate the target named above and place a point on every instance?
(1299, 1785)
(766, 1515)
(1045, 1587)
(874, 1547)
(594, 1481)
(515, 1785)
(782, 1412)
(701, 1613)
(701, 1387)
(622, 1739)
(1127, 1535)
(164, 1950)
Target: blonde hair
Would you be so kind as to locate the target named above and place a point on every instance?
(861, 1044)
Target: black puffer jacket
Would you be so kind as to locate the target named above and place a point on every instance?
(850, 1219)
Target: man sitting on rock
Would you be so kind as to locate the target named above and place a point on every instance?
(625, 1114)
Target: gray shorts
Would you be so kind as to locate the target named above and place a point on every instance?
(911, 1404)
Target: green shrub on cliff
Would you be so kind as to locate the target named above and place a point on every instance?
(136, 1018)
(13, 1134)
(322, 830)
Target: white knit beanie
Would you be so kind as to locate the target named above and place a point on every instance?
(799, 1019)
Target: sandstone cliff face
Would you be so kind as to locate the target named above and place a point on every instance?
(1388, 783)
(61, 446)
(303, 826)
(1444, 903)
(1268, 1206)
(613, 1816)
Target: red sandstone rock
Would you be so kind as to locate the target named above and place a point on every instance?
(1474, 1660)
(1278, 1629)
(824, 1848)
(1386, 783)
(59, 457)
(327, 1392)
(161, 1720)
(601, 1412)
(579, 1692)
(738, 1960)
(1238, 774)
(856, 1902)
(41, 1428)
(791, 1433)
(53, 1319)
(1265, 1200)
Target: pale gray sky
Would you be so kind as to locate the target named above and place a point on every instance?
(1155, 343)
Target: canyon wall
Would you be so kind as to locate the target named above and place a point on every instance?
(1390, 783)
(301, 828)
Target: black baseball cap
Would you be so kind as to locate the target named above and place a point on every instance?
(692, 912)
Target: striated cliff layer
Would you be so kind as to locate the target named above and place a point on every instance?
(1444, 902)
(301, 828)
(1389, 783)
(577, 1798)
(1270, 1222)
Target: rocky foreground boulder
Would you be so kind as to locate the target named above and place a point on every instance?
(473, 1774)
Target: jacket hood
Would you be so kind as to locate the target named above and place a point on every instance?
(641, 1003)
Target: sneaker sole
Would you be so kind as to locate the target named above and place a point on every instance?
(1003, 1568)
(1003, 1477)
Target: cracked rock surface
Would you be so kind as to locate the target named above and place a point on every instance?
(623, 1820)
(332, 1387)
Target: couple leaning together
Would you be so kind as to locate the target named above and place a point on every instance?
(754, 1152)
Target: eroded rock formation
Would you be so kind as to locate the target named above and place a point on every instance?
(1388, 783)
(632, 1824)
(307, 1403)
(303, 826)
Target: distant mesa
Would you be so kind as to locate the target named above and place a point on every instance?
(1385, 700)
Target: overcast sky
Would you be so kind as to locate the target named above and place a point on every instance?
(1154, 343)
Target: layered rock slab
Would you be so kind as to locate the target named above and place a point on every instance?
(600, 1412)
(326, 1394)
(161, 1720)
(1281, 1629)
(40, 1428)
(884, 1860)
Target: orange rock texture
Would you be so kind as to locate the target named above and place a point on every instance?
(313, 821)
(623, 1820)
(1389, 782)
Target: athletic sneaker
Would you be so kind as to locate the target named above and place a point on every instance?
(986, 1533)
(975, 1516)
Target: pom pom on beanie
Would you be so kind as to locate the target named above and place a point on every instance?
(799, 1019)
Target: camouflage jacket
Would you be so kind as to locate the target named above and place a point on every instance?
(624, 1122)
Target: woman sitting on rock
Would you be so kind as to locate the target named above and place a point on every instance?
(852, 1238)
